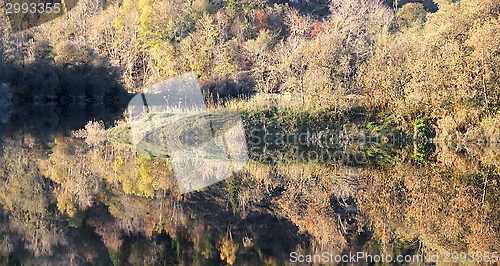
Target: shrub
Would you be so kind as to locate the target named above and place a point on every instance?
(423, 127)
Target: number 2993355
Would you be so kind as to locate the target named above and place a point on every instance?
(32, 8)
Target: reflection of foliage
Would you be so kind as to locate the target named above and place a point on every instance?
(306, 202)
(445, 207)
(451, 204)
(423, 127)
(68, 167)
(24, 196)
(232, 190)
(228, 251)
(423, 152)
(5, 103)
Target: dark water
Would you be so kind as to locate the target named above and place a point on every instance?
(91, 199)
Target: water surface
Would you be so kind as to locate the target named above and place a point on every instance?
(74, 192)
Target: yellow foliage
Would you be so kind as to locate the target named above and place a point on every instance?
(228, 251)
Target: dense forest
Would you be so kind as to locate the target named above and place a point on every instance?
(404, 61)
(420, 79)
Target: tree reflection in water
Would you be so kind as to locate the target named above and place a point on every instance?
(89, 197)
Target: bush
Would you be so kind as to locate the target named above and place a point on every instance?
(423, 127)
